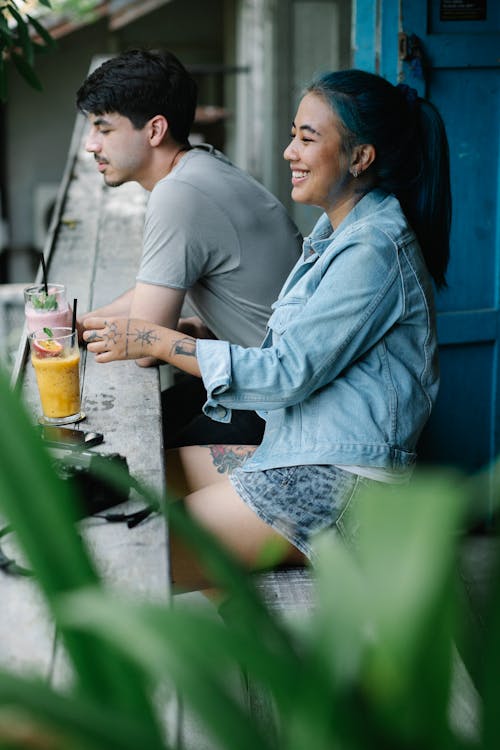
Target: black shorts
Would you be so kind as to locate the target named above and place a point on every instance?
(185, 424)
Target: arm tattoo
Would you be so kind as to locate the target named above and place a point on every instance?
(228, 457)
(126, 338)
(186, 346)
(145, 336)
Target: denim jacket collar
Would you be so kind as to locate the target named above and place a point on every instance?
(323, 233)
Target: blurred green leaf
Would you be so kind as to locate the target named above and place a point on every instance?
(42, 32)
(192, 651)
(40, 507)
(38, 502)
(489, 677)
(67, 721)
(244, 608)
(23, 35)
(3, 81)
(4, 29)
(369, 667)
(16, 44)
(394, 630)
(191, 635)
(26, 71)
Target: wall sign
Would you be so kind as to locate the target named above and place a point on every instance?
(462, 10)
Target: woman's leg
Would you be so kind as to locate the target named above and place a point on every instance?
(220, 510)
(196, 466)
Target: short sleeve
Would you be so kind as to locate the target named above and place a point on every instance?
(174, 254)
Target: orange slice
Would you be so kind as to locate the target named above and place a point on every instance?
(47, 347)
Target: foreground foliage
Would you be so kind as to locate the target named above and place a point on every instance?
(371, 666)
(18, 45)
(24, 34)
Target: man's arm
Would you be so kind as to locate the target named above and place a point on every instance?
(157, 304)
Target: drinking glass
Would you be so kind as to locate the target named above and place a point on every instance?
(56, 359)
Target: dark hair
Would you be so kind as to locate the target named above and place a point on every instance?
(412, 155)
(140, 84)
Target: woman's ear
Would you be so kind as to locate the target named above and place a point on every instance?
(363, 156)
(158, 127)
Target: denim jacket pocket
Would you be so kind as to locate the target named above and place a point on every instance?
(283, 313)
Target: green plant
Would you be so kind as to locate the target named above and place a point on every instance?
(23, 35)
(17, 44)
(371, 666)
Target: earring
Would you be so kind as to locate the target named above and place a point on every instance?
(354, 172)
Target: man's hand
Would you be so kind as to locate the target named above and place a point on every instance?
(113, 339)
(118, 308)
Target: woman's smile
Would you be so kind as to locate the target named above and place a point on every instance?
(298, 176)
(319, 164)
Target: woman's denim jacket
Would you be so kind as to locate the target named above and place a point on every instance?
(348, 371)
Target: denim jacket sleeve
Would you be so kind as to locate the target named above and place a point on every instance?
(327, 319)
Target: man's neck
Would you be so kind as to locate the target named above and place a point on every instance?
(165, 162)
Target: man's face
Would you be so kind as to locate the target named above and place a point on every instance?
(121, 151)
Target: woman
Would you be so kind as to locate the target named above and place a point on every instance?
(348, 372)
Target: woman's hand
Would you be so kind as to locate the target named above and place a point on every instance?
(121, 338)
(112, 339)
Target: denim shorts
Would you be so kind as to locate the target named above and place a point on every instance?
(300, 501)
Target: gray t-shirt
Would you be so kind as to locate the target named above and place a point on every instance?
(214, 231)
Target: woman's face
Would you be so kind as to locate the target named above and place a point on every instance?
(320, 166)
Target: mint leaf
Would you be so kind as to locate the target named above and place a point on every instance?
(49, 332)
(45, 302)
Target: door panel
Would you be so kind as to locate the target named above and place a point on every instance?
(471, 114)
(461, 75)
(455, 63)
(460, 429)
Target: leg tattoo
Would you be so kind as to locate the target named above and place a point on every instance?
(226, 458)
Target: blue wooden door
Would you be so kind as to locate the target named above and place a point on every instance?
(450, 52)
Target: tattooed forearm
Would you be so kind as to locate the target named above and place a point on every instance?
(146, 337)
(186, 346)
(126, 338)
(226, 458)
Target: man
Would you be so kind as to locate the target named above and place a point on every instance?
(213, 236)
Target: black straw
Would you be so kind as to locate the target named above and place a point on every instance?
(73, 324)
(44, 272)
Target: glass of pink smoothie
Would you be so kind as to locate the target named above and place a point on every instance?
(46, 309)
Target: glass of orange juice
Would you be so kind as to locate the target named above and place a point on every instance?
(56, 358)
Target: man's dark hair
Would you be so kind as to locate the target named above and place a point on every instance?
(140, 84)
